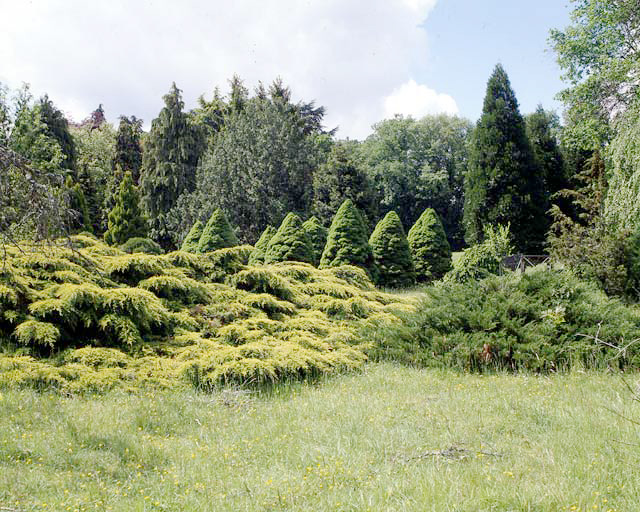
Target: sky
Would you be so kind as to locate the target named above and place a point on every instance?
(363, 60)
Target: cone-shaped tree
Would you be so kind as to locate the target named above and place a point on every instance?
(504, 184)
(429, 247)
(317, 235)
(348, 241)
(217, 234)
(191, 241)
(259, 250)
(126, 219)
(391, 253)
(81, 220)
(290, 243)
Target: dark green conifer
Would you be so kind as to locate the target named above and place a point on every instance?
(317, 235)
(348, 240)
(290, 243)
(172, 151)
(80, 219)
(128, 146)
(429, 247)
(126, 220)
(259, 250)
(191, 241)
(217, 234)
(391, 253)
(504, 185)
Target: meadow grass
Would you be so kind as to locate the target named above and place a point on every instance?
(388, 438)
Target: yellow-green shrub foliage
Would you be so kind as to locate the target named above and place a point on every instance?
(391, 253)
(96, 318)
(257, 256)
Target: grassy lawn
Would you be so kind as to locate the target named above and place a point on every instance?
(390, 438)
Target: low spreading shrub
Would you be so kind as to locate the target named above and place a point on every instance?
(542, 321)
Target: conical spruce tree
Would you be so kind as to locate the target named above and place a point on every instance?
(259, 250)
(290, 243)
(317, 235)
(504, 184)
(171, 153)
(429, 247)
(191, 241)
(217, 234)
(391, 253)
(348, 241)
(126, 219)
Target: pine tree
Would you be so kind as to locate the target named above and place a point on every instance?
(317, 235)
(391, 253)
(126, 220)
(348, 241)
(504, 185)
(259, 250)
(430, 249)
(171, 155)
(290, 243)
(217, 234)
(191, 241)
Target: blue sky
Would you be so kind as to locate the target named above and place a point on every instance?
(468, 37)
(364, 60)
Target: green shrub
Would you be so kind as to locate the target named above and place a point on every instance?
(258, 253)
(391, 253)
(481, 260)
(430, 249)
(144, 245)
(126, 220)
(541, 321)
(317, 235)
(290, 243)
(217, 234)
(348, 240)
(191, 241)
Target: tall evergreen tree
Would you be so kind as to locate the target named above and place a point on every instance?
(504, 184)
(259, 250)
(171, 155)
(191, 241)
(542, 130)
(342, 177)
(217, 234)
(391, 253)
(290, 243)
(57, 127)
(126, 220)
(80, 218)
(317, 235)
(128, 146)
(430, 249)
(348, 240)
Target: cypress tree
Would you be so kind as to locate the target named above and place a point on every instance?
(128, 147)
(217, 234)
(391, 253)
(317, 235)
(348, 241)
(259, 250)
(290, 243)
(81, 220)
(504, 184)
(126, 220)
(429, 247)
(190, 243)
(171, 155)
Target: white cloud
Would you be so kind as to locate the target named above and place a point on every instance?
(345, 54)
(417, 100)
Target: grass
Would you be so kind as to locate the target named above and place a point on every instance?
(389, 438)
